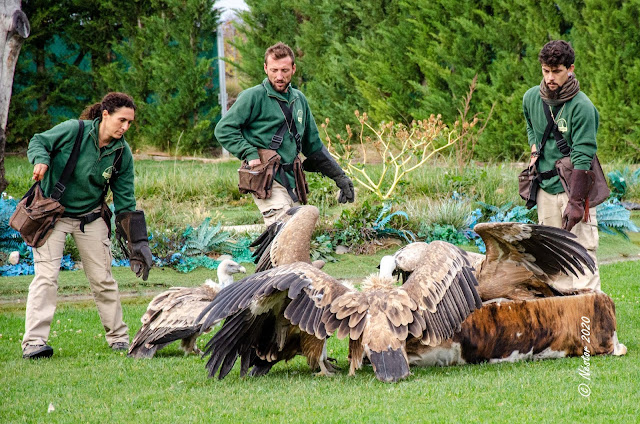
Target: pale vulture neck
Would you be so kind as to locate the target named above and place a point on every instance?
(224, 279)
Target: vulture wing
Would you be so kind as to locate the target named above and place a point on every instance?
(264, 312)
(171, 316)
(539, 248)
(522, 259)
(262, 253)
(444, 290)
(431, 305)
(288, 240)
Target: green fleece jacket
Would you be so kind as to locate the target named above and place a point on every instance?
(92, 172)
(256, 116)
(580, 119)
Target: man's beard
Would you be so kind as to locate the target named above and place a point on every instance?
(283, 90)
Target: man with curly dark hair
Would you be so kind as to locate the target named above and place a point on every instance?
(576, 119)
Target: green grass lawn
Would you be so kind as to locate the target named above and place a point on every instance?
(86, 382)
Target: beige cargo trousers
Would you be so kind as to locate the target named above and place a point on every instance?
(550, 208)
(94, 247)
(275, 206)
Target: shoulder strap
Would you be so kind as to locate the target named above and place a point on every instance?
(560, 141)
(60, 187)
(276, 140)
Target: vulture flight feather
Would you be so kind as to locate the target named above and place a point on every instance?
(172, 314)
(292, 309)
(521, 262)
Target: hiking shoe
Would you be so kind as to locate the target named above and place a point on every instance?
(37, 351)
(118, 346)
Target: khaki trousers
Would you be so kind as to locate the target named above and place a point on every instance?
(550, 208)
(276, 205)
(95, 251)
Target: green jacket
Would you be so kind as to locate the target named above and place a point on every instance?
(92, 172)
(580, 118)
(256, 116)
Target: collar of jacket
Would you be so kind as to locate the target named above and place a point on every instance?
(273, 93)
(115, 144)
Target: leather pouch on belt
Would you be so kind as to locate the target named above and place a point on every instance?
(258, 180)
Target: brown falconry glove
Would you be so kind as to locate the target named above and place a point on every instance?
(578, 207)
(131, 234)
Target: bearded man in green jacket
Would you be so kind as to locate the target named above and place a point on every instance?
(577, 121)
(256, 120)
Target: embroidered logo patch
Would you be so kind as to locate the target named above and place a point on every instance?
(300, 116)
(562, 125)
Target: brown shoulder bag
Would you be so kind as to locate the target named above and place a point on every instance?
(36, 215)
(599, 191)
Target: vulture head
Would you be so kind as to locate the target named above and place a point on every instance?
(225, 271)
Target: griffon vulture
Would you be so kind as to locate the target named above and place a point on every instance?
(287, 240)
(521, 262)
(292, 309)
(172, 314)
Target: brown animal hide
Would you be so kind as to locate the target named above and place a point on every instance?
(510, 331)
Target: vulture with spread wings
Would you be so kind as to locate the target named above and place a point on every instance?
(171, 315)
(292, 309)
(521, 262)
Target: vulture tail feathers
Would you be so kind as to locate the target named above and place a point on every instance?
(141, 351)
(390, 365)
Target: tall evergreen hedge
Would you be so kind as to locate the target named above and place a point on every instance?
(406, 59)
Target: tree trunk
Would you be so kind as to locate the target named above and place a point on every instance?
(14, 28)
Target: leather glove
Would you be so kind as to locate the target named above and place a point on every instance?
(131, 234)
(578, 206)
(321, 161)
(140, 259)
(346, 189)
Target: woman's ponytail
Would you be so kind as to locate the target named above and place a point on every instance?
(111, 102)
